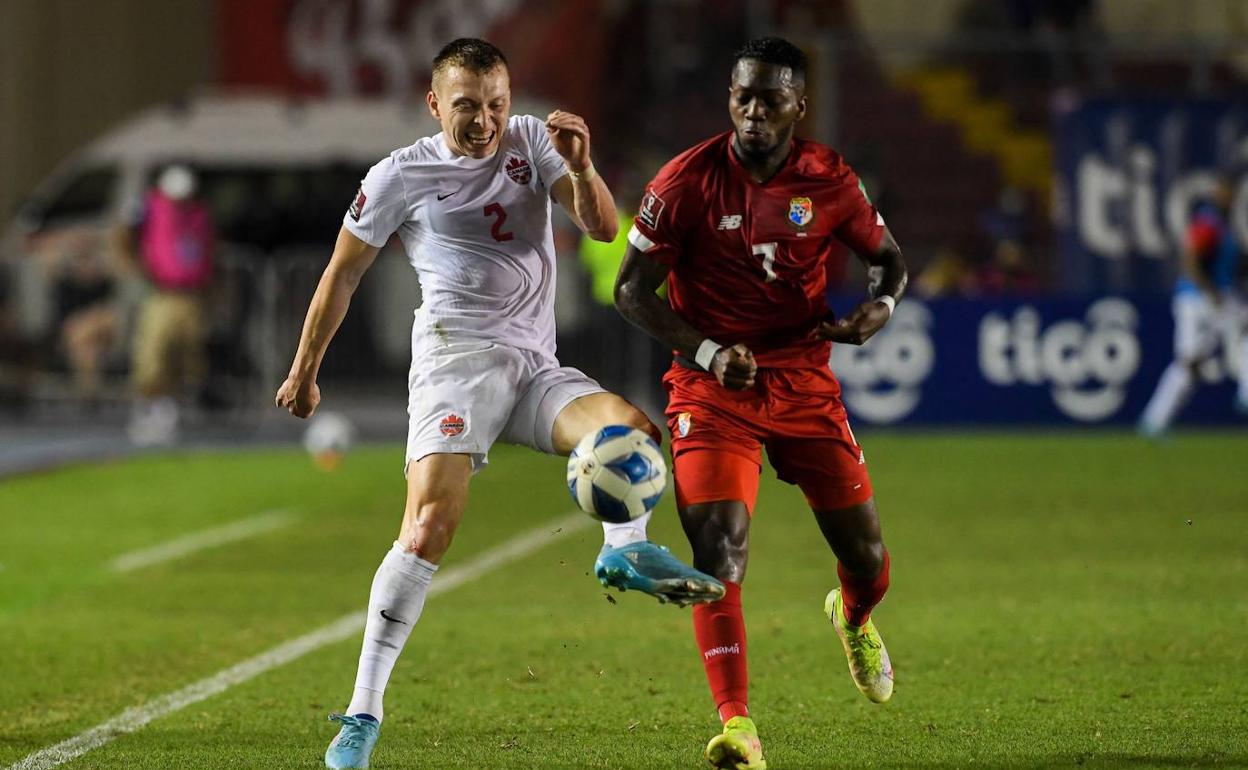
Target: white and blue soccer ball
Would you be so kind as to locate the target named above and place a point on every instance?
(617, 474)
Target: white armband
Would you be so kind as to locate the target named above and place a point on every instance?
(706, 353)
(888, 302)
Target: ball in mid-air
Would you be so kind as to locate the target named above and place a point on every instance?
(616, 474)
(327, 439)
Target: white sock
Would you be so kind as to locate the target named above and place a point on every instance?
(399, 589)
(617, 535)
(1172, 392)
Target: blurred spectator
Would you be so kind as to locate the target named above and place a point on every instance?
(16, 354)
(1007, 274)
(1068, 32)
(84, 298)
(602, 260)
(171, 240)
(946, 275)
(1003, 228)
(1007, 221)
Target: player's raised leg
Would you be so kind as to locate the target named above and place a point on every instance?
(437, 491)
(853, 533)
(628, 560)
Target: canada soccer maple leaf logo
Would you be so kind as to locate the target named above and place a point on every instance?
(452, 425)
(519, 170)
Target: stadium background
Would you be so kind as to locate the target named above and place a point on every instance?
(1032, 157)
(1036, 161)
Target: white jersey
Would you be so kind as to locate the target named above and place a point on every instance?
(477, 231)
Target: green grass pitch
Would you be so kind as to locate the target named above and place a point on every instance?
(1057, 600)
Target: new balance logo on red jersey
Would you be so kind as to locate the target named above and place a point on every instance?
(730, 222)
(728, 649)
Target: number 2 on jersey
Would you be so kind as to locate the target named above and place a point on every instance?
(768, 252)
(497, 210)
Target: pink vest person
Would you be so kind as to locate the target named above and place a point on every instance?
(176, 242)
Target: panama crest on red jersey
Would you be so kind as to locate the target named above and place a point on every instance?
(801, 211)
(725, 237)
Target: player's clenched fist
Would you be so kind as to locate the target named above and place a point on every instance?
(734, 367)
(858, 327)
(299, 397)
(570, 136)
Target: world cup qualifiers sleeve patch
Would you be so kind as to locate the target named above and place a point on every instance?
(357, 205)
(651, 208)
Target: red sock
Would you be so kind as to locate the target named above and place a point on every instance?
(860, 595)
(719, 628)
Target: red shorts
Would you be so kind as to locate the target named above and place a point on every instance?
(718, 434)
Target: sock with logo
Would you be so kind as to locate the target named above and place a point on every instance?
(860, 595)
(617, 535)
(394, 605)
(719, 628)
(1173, 390)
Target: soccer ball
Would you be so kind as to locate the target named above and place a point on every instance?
(328, 438)
(617, 474)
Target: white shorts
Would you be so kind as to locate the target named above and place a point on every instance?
(1199, 327)
(464, 396)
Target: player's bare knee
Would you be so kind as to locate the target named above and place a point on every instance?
(729, 559)
(429, 527)
(722, 552)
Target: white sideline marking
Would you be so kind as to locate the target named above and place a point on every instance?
(345, 627)
(198, 541)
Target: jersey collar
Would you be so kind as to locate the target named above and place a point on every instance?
(463, 161)
(739, 169)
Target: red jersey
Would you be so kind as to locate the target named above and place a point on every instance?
(748, 260)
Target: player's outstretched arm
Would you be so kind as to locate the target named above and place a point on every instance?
(299, 394)
(888, 278)
(636, 298)
(581, 193)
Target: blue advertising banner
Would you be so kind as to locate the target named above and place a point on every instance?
(1046, 361)
(1128, 173)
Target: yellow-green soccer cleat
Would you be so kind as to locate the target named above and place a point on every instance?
(869, 665)
(737, 747)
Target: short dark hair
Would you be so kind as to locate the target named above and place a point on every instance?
(470, 53)
(774, 50)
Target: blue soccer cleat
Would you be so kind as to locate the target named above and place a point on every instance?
(652, 569)
(353, 743)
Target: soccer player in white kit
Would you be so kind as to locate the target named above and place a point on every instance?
(1208, 312)
(471, 206)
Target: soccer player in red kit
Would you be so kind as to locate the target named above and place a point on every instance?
(741, 226)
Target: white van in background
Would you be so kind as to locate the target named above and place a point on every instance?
(277, 174)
